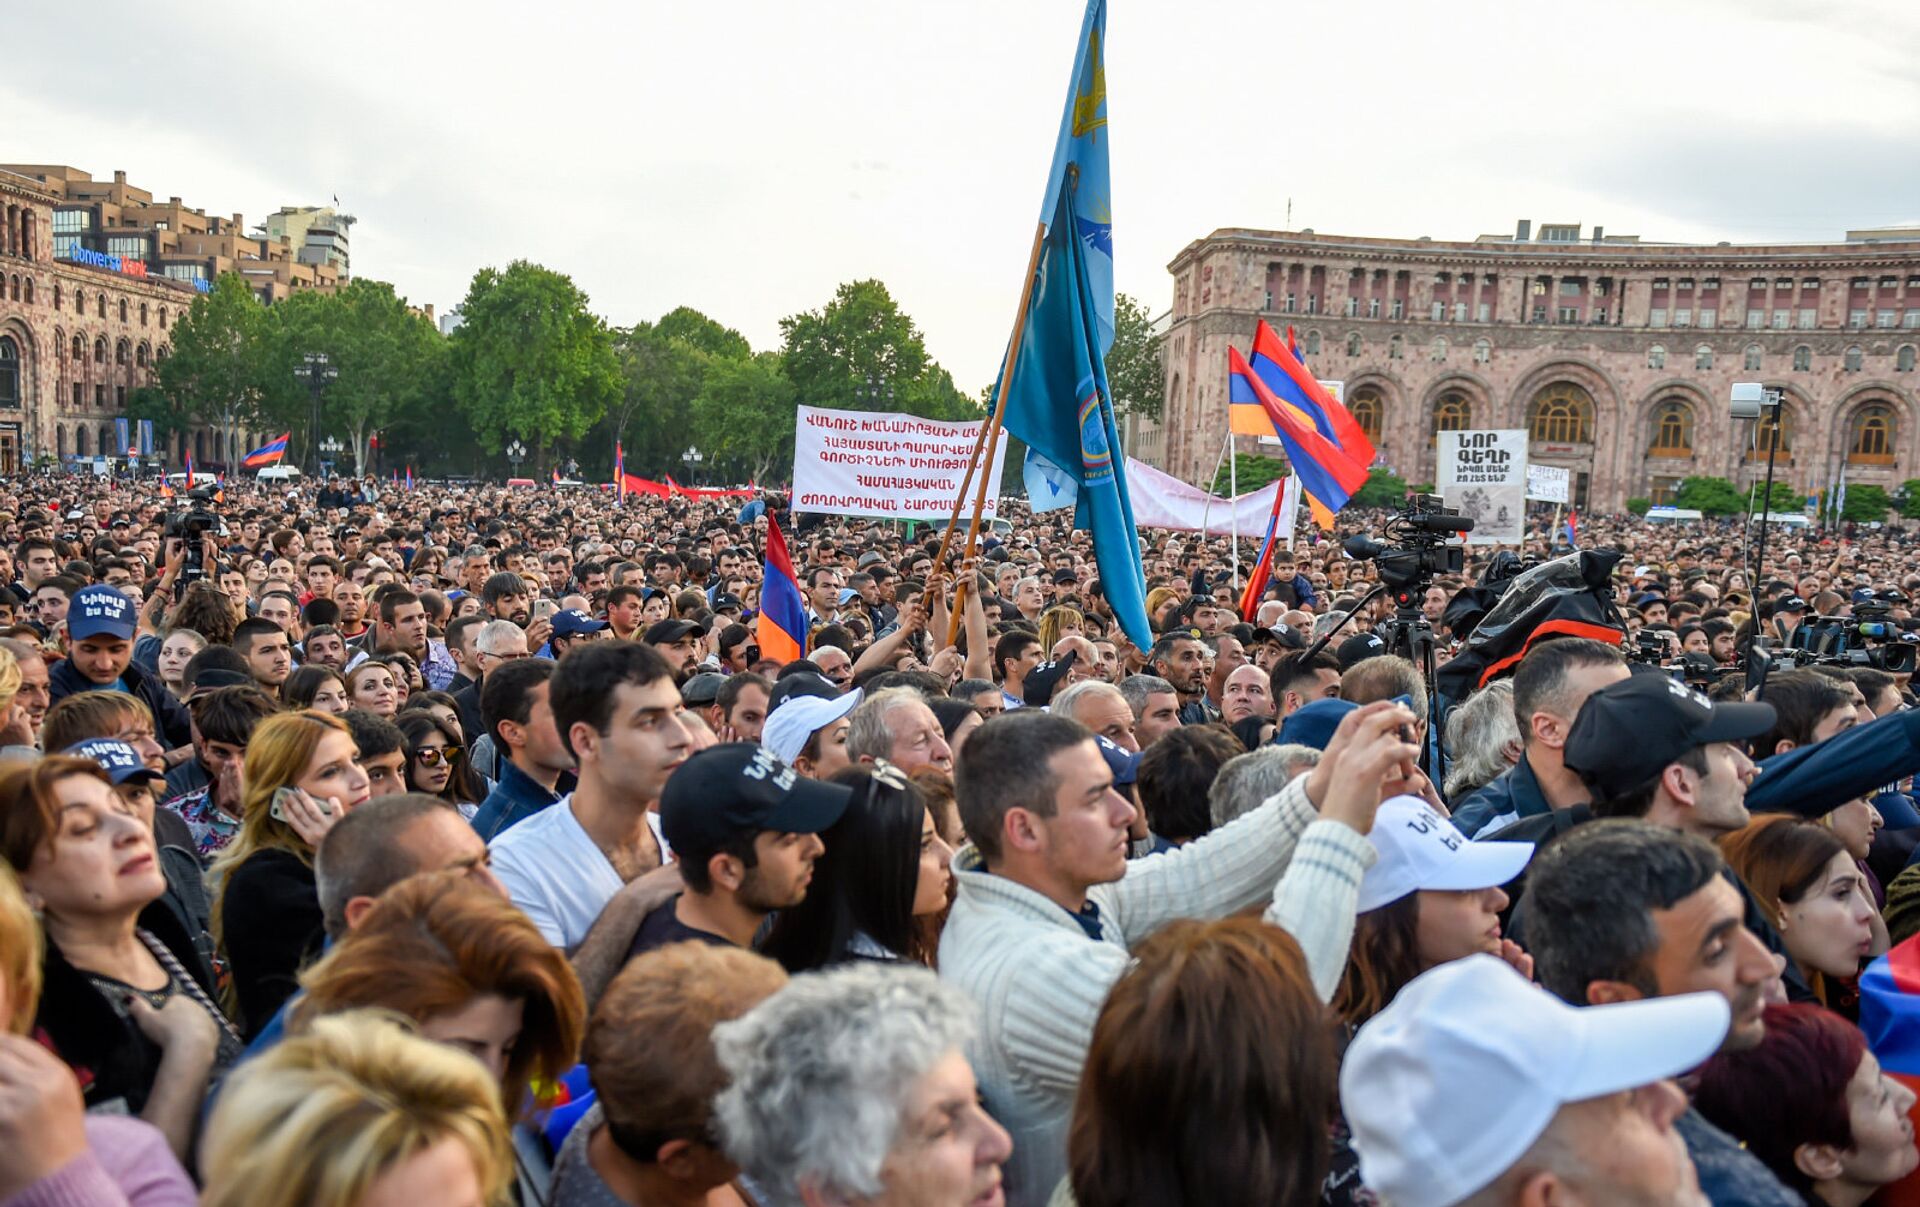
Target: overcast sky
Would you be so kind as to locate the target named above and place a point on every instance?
(745, 157)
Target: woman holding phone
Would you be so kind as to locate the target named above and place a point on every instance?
(302, 774)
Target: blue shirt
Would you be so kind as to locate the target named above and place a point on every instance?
(514, 798)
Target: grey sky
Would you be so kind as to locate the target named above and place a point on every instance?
(745, 157)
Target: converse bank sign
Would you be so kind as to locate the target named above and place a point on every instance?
(895, 467)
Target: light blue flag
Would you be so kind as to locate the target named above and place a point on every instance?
(1057, 400)
(1048, 486)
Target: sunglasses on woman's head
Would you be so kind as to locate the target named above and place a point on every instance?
(431, 756)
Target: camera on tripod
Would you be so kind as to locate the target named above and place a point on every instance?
(1420, 528)
(192, 526)
(1842, 641)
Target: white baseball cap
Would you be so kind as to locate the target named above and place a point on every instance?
(1449, 1085)
(1421, 849)
(798, 718)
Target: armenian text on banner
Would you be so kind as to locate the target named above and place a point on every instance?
(895, 467)
(1484, 475)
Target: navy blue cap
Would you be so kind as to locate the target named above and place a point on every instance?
(738, 790)
(1124, 763)
(1313, 724)
(99, 611)
(572, 622)
(120, 761)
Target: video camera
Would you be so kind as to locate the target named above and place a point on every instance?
(1843, 641)
(1421, 528)
(192, 526)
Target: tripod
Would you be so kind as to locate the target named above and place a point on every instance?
(1410, 635)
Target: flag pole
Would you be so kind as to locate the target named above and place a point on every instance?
(1233, 501)
(989, 440)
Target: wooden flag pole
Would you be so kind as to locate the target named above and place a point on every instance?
(989, 441)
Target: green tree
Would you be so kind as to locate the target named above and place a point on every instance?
(1866, 503)
(1251, 471)
(1717, 496)
(1909, 497)
(217, 370)
(660, 374)
(830, 354)
(1136, 372)
(743, 416)
(1384, 488)
(531, 361)
(1639, 505)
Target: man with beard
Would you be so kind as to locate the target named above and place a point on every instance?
(1180, 660)
(678, 641)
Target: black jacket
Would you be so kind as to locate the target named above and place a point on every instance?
(271, 925)
(170, 718)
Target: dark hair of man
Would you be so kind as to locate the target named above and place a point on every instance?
(1540, 682)
(733, 637)
(967, 689)
(1175, 775)
(392, 599)
(689, 604)
(327, 560)
(1294, 667)
(863, 885)
(799, 666)
(362, 855)
(26, 547)
(250, 628)
(374, 736)
(1639, 800)
(457, 637)
(320, 611)
(1715, 626)
(1591, 896)
(293, 600)
(622, 593)
(507, 693)
(1011, 647)
(499, 586)
(229, 714)
(585, 680)
(66, 584)
(1800, 699)
(1005, 765)
(729, 693)
(1162, 651)
(1871, 682)
(662, 559)
(321, 630)
(213, 658)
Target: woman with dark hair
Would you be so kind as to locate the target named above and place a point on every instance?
(436, 762)
(1813, 1104)
(317, 687)
(884, 867)
(1211, 1076)
(441, 705)
(1816, 897)
(957, 719)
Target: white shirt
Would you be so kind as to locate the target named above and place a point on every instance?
(557, 874)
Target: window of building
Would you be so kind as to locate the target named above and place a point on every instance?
(79, 350)
(1399, 308)
(1756, 319)
(1482, 351)
(1353, 308)
(1889, 282)
(1438, 350)
(163, 318)
(1437, 312)
(1657, 357)
(143, 314)
(80, 440)
(1572, 288)
(1451, 413)
(77, 388)
(120, 397)
(131, 247)
(1672, 434)
(1568, 314)
(1709, 317)
(27, 287)
(1911, 319)
(79, 302)
(1562, 413)
(1657, 317)
(1886, 318)
(1855, 359)
(140, 356)
(1539, 314)
(1903, 359)
(120, 353)
(1459, 312)
(1802, 358)
(1763, 432)
(1353, 343)
(1809, 282)
(1751, 360)
(1683, 318)
(1373, 308)
(1703, 357)
(1809, 318)
(1872, 440)
(56, 295)
(1267, 303)
(65, 245)
(1366, 408)
(99, 352)
(1313, 301)
(1393, 348)
(9, 372)
(1485, 312)
(1287, 304)
(1782, 319)
(1313, 343)
(100, 305)
(1856, 319)
(100, 395)
(67, 222)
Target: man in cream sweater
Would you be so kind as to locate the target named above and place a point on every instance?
(1048, 905)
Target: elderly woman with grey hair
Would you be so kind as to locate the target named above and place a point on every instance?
(1483, 736)
(854, 1085)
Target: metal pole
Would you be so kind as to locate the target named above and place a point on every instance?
(1233, 502)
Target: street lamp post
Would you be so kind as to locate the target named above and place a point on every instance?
(329, 452)
(315, 367)
(876, 392)
(692, 459)
(516, 453)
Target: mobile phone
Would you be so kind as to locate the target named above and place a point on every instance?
(281, 796)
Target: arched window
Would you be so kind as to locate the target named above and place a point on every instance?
(1561, 414)
(163, 318)
(1855, 359)
(56, 295)
(1672, 435)
(1482, 351)
(27, 285)
(1313, 343)
(1903, 360)
(123, 310)
(1353, 344)
(1802, 358)
(9, 372)
(1366, 409)
(79, 302)
(1872, 439)
(60, 440)
(1703, 357)
(1763, 432)
(100, 306)
(80, 440)
(79, 350)
(1752, 358)
(120, 353)
(16, 286)
(1657, 357)
(1438, 351)
(1393, 348)
(1451, 413)
(140, 356)
(99, 352)
(143, 314)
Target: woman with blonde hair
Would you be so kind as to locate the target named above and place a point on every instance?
(266, 912)
(1057, 622)
(59, 1153)
(1161, 601)
(358, 1112)
(374, 686)
(468, 968)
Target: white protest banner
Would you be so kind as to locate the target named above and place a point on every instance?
(1550, 483)
(1161, 500)
(1484, 475)
(893, 467)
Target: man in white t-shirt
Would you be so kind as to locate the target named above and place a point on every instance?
(589, 868)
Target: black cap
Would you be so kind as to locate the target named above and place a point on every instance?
(666, 632)
(803, 684)
(723, 601)
(703, 688)
(1064, 578)
(1358, 648)
(738, 790)
(1628, 732)
(1037, 688)
(1792, 603)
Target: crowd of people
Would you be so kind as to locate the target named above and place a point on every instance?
(458, 846)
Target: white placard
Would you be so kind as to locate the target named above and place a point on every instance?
(893, 467)
(1550, 483)
(1484, 475)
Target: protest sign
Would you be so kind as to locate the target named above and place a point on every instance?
(1550, 483)
(894, 467)
(1484, 475)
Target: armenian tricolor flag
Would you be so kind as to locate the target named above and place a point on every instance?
(620, 472)
(409, 476)
(1327, 476)
(783, 610)
(269, 453)
(1263, 568)
(1890, 1019)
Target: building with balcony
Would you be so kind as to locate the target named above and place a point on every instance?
(1616, 354)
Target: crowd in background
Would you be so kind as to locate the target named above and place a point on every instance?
(458, 846)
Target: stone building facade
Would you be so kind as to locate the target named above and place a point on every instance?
(1618, 356)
